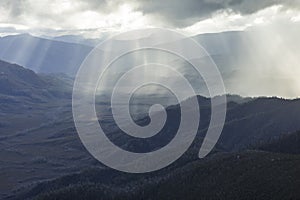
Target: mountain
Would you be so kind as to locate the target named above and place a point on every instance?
(39, 142)
(243, 175)
(18, 81)
(43, 55)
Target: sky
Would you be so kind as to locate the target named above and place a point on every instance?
(98, 18)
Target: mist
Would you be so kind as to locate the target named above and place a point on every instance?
(269, 63)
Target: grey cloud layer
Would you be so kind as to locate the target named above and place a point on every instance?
(178, 13)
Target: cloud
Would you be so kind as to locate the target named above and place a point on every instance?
(117, 15)
(184, 13)
(71, 15)
(224, 21)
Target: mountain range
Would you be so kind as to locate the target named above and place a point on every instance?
(247, 66)
(39, 144)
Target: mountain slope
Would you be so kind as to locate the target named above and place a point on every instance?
(15, 80)
(18, 81)
(288, 143)
(26, 97)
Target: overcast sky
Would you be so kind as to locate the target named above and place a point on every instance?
(95, 18)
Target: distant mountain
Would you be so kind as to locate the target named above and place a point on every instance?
(224, 43)
(77, 39)
(43, 55)
(246, 65)
(64, 54)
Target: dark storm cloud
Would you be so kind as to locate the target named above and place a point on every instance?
(186, 12)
